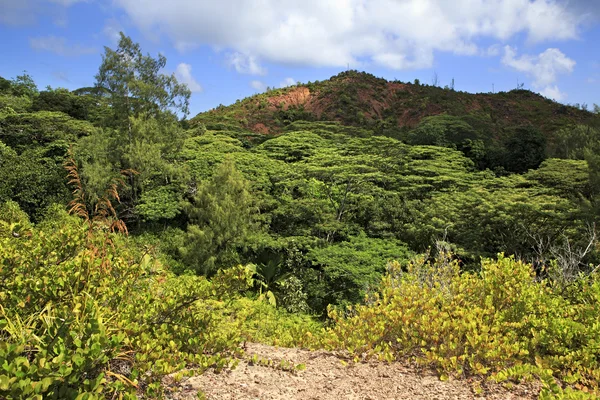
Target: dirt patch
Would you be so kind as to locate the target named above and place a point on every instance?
(293, 97)
(327, 378)
(261, 128)
(393, 86)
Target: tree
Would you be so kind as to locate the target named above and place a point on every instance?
(160, 178)
(525, 149)
(143, 103)
(28, 130)
(136, 85)
(5, 85)
(442, 130)
(85, 107)
(350, 268)
(34, 179)
(571, 142)
(593, 161)
(435, 81)
(567, 178)
(222, 216)
(24, 85)
(496, 215)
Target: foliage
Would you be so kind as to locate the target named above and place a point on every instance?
(354, 267)
(442, 130)
(315, 188)
(141, 136)
(393, 108)
(504, 213)
(13, 221)
(22, 85)
(525, 149)
(22, 131)
(135, 84)
(500, 322)
(221, 219)
(83, 107)
(571, 141)
(568, 178)
(12, 104)
(34, 179)
(86, 315)
(155, 177)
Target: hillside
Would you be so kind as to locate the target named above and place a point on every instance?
(391, 107)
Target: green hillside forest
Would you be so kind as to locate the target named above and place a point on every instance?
(389, 220)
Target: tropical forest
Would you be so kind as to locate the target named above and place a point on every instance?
(384, 222)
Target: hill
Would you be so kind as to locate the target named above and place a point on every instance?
(505, 132)
(391, 107)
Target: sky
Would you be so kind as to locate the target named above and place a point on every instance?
(225, 50)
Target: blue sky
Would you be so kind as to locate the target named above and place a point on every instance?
(229, 49)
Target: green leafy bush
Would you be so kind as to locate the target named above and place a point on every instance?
(354, 267)
(84, 314)
(501, 322)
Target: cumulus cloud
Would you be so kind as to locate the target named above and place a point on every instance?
(183, 73)
(245, 64)
(544, 68)
(288, 82)
(421, 59)
(396, 34)
(492, 51)
(258, 86)
(58, 45)
(552, 92)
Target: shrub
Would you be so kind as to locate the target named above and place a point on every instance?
(502, 323)
(85, 314)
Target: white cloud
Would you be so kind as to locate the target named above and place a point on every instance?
(258, 86)
(544, 68)
(111, 30)
(59, 45)
(492, 51)
(183, 73)
(245, 64)
(552, 92)
(422, 59)
(288, 82)
(397, 34)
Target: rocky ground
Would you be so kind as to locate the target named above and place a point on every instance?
(272, 373)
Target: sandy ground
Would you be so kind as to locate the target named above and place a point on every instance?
(327, 378)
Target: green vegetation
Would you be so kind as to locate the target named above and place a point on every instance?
(136, 244)
(499, 323)
(87, 314)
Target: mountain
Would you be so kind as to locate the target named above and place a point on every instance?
(392, 108)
